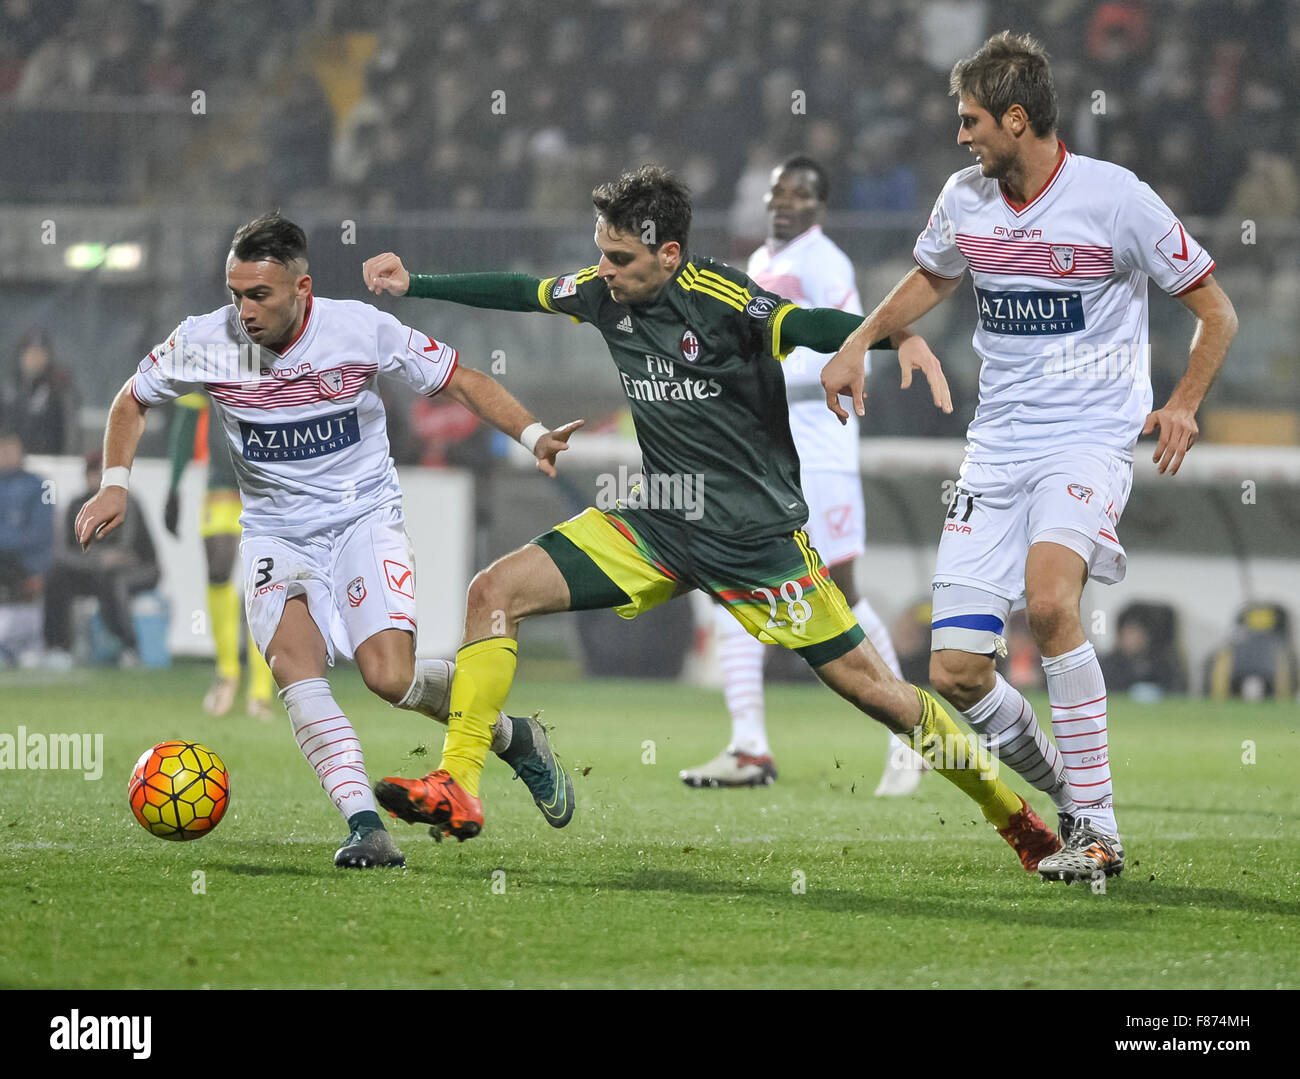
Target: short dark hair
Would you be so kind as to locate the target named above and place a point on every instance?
(822, 188)
(1009, 69)
(650, 196)
(271, 237)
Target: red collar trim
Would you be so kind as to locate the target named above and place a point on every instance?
(1021, 207)
(306, 318)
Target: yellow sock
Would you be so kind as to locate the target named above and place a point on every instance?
(259, 674)
(962, 761)
(223, 609)
(484, 671)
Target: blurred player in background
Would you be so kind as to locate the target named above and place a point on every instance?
(117, 570)
(1060, 248)
(697, 346)
(192, 426)
(327, 563)
(801, 263)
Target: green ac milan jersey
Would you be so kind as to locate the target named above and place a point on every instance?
(700, 365)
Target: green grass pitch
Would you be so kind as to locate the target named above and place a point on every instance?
(652, 884)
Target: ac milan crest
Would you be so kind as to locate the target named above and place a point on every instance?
(1062, 258)
(331, 382)
(690, 346)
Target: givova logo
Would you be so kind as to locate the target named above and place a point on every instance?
(299, 440)
(77, 1031)
(1021, 313)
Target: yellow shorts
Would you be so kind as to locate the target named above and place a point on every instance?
(776, 586)
(220, 514)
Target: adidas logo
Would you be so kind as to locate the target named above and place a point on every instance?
(625, 324)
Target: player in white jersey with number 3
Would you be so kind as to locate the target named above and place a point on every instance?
(1060, 249)
(801, 262)
(328, 566)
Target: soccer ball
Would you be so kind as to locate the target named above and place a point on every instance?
(179, 790)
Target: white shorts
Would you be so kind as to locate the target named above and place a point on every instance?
(357, 581)
(836, 518)
(1073, 498)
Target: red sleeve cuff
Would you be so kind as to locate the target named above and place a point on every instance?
(936, 273)
(1183, 291)
(455, 362)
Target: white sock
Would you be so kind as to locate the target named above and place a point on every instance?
(330, 745)
(1006, 724)
(878, 635)
(898, 753)
(741, 657)
(1078, 694)
(430, 694)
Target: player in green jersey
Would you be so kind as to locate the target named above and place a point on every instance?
(697, 346)
(219, 528)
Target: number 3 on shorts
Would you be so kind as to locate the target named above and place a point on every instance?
(264, 567)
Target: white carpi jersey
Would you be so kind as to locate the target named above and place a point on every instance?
(1061, 289)
(307, 429)
(812, 272)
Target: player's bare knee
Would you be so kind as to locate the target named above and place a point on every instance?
(1049, 618)
(960, 677)
(489, 594)
(387, 679)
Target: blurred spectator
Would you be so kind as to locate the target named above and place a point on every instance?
(1268, 188)
(1259, 659)
(38, 399)
(26, 525)
(1220, 77)
(882, 177)
(116, 567)
(1147, 659)
(1023, 665)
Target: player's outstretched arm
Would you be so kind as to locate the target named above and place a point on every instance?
(494, 291)
(918, 292)
(1216, 325)
(107, 509)
(493, 403)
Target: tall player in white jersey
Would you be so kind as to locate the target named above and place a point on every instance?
(800, 262)
(1060, 249)
(328, 566)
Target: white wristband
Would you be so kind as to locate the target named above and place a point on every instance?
(531, 435)
(115, 477)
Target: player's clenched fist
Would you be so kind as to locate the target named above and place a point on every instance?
(385, 273)
(100, 515)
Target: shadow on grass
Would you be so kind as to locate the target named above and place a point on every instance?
(244, 869)
(1125, 903)
(1212, 811)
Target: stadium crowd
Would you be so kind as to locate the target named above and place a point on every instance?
(472, 104)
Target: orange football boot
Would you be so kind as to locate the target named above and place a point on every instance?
(1029, 837)
(437, 800)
